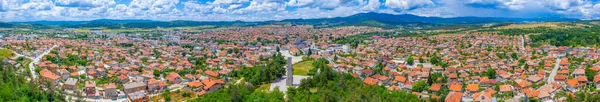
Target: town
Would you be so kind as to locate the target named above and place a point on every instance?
(474, 66)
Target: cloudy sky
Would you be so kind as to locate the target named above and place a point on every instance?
(260, 10)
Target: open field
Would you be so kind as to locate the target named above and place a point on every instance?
(264, 87)
(302, 68)
(175, 97)
(545, 24)
(5, 53)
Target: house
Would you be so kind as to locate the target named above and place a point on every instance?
(211, 84)
(400, 79)
(123, 78)
(505, 88)
(578, 72)
(472, 88)
(535, 78)
(90, 89)
(547, 91)
(560, 78)
(138, 96)
(49, 76)
(211, 73)
(64, 74)
(153, 85)
(134, 87)
(597, 80)
(456, 88)
(435, 87)
(371, 81)
(522, 84)
(482, 97)
(71, 84)
(195, 85)
(174, 78)
(367, 72)
(564, 62)
(454, 97)
(110, 90)
(573, 85)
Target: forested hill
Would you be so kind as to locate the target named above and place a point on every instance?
(361, 19)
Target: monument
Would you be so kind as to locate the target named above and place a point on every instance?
(290, 77)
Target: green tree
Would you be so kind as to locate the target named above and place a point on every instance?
(419, 86)
(410, 60)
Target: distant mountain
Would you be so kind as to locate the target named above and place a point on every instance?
(406, 19)
(361, 19)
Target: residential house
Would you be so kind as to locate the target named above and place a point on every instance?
(49, 76)
(110, 90)
(454, 97)
(573, 85)
(90, 89)
(134, 87)
(211, 84)
(71, 84)
(174, 78)
(482, 97)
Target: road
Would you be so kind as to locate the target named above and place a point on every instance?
(522, 47)
(37, 60)
(556, 66)
(286, 53)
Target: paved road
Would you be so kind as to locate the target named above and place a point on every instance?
(556, 66)
(522, 47)
(286, 53)
(37, 60)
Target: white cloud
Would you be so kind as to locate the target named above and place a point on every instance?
(261, 6)
(253, 10)
(228, 2)
(373, 5)
(84, 3)
(299, 2)
(407, 4)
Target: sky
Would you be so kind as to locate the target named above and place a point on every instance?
(262, 10)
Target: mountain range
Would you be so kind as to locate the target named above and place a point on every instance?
(361, 19)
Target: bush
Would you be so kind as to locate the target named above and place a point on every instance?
(186, 94)
(37, 69)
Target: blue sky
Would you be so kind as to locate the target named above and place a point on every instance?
(260, 10)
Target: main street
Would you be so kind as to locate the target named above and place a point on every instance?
(556, 66)
(37, 60)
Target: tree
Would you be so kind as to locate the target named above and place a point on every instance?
(590, 74)
(166, 95)
(156, 73)
(145, 59)
(435, 60)
(419, 86)
(490, 73)
(410, 60)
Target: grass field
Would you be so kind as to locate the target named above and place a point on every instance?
(175, 97)
(555, 25)
(5, 53)
(302, 68)
(264, 87)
